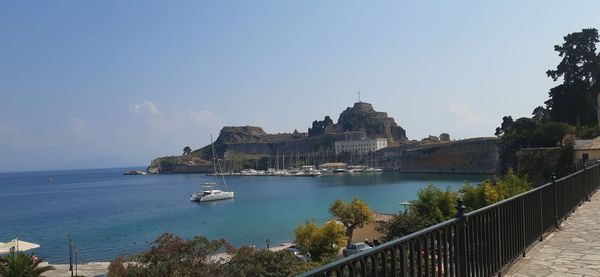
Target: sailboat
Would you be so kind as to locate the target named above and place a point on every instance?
(208, 192)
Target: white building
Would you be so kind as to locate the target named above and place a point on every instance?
(360, 146)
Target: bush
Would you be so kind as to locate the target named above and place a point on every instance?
(402, 224)
(172, 256)
(490, 192)
(435, 204)
(249, 262)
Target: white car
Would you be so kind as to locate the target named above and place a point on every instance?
(294, 251)
(355, 247)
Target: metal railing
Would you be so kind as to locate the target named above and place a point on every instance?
(480, 243)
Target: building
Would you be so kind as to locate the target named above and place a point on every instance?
(283, 137)
(362, 146)
(333, 166)
(586, 149)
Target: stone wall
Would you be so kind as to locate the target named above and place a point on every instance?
(472, 156)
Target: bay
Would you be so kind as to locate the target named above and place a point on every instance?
(108, 214)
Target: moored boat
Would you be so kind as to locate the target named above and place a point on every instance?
(209, 193)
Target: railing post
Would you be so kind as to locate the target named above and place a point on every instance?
(461, 239)
(523, 226)
(556, 223)
(586, 179)
(541, 200)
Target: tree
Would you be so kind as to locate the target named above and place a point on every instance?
(444, 137)
(187, 150)
(352, 215)
(551, 133)
(541, 113)
(22, 264)
(573, 101)
(318, 127)
(403, 224)
(250, 262)
(527, 132)
(320, 242)
(507, 122)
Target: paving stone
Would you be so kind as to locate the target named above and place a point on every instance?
(574, 250)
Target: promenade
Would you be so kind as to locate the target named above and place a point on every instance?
(574, 250)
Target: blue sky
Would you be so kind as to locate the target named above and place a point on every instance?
(116, 83)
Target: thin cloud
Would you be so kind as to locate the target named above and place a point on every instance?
(153, 116)
(7, 131)
(464, 113)
(185, 125)
(203, 118)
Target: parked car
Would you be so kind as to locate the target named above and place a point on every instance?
(294, 251)
(355, 247)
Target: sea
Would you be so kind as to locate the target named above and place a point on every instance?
(108, 214)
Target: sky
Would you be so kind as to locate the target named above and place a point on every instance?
(86, 84)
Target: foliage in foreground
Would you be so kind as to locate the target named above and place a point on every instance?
(21, 265)
(402, 224)
(323, 242)
(173, 256)
(249, 262)
(434, 205)
(490, 192)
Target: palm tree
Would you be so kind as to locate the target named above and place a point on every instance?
(22, 264)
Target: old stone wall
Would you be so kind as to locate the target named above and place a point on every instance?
(472, 156)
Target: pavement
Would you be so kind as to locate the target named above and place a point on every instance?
(89, 269)
(574, 250)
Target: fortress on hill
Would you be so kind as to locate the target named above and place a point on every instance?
(361, 136)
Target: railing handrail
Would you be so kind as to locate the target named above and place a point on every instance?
(531, 191)
(577, 190)
(380, 247)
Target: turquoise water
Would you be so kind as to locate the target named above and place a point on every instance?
(108, 214)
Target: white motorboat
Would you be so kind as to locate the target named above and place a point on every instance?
(208, 192)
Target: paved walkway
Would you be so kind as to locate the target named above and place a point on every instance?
(572, 251)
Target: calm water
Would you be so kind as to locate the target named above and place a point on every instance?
(109, 214)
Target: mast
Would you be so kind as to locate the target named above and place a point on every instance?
(215, 159)
(214, 156)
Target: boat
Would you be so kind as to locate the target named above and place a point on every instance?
(208, 192)
(211, 194)
(339, 170)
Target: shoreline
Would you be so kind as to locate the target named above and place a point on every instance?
(101, 267)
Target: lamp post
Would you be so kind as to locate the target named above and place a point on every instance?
(75, 250)
(70, 254)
